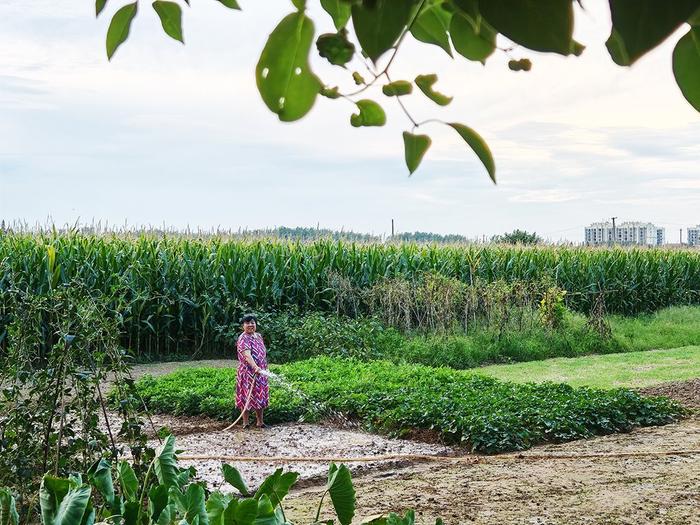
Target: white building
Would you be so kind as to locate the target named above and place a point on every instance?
(694, 236)
(639, 233)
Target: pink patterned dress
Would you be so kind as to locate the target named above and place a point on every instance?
(244, 378)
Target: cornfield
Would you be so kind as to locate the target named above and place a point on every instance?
(178, 295)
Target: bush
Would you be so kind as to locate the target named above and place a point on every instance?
(482, 413)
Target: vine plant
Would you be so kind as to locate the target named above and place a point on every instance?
(289, 87)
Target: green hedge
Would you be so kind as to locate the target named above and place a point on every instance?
(484, 414)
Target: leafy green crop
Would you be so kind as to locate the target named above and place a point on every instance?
(484, 414)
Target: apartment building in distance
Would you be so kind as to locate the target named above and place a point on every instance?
(630, 233)
(694, 236)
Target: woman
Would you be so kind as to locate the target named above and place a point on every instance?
(252, 359)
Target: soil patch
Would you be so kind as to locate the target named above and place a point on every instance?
(685, 392)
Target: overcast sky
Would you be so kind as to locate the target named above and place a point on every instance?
(177, 135)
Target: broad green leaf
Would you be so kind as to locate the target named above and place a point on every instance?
(118, 30)
(474, 40)
(686, 66)
(170, 18)
(468, 7)
(335, 47)
(157, 501)
(397, 88)
(231, 4)
(233, 477)
(99, 6)
(283, 75)
(641, 25)
(339, 11)
(266, 513)
(216, 505)
(63, 502)
(8, 508)
(371, 114)
(425, 84)
(131, 513)
(432, 26)
(165, 464)
(100, 475)
(245, 511)
(277, 486)
(478, 144)
(229, 517)
(196, 508)
(379, 23)
(541, 25)
(128, 481)
(342, 494)
(415, 147)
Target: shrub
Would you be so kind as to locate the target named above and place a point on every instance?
(482, 413)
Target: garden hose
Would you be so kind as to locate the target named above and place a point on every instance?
(247, 403)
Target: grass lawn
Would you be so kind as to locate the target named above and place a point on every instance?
(631, 369)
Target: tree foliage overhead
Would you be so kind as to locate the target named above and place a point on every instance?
(369, 34)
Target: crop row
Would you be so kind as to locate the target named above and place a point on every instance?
(482, 413)
(177, 291)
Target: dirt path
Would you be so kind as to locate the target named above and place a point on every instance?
(642, 490)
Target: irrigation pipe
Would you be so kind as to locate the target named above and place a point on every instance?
(437, 459)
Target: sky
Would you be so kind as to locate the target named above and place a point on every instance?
(175, 135)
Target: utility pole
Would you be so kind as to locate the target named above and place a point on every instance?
(392, 228)
(614, 236)
(680, 235)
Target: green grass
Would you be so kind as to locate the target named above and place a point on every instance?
(668, 328)
(631, 369)
(483, 413)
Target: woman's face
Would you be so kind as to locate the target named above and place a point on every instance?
(249, 326)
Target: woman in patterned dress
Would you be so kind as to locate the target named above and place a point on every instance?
(252, 358)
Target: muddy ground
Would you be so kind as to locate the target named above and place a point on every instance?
(497, 490)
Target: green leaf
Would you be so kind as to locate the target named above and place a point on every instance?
(686, 66)
(342, 493)
(359, 79)
(170, 18)
(99, 6)
(165, 464)
(379, 23)
(577, 48)
(233, 477)
(63, 502)
(245, 511)
(118, 30)
(100, 475)
(283, 75)
(474, 40)
(432, 26)
(8, 508)
(415, 147)
(641, 25)
(158, 501)
(339, 11)
(231, 4)
(541, 25)
(131, 513)
(266, 513)
(277, 486)
(478, 144)
(127, 480)
(195, 507)
(425, 84)
(371, 114)
(216, 506)
(398, 88)
(335, 47)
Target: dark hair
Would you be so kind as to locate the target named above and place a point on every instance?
(248, 318)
